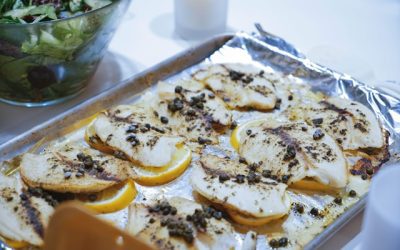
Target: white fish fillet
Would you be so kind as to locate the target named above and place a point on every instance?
(154, 148)
(202, 119)
(262, 199)
(22, 220)
(289, 151)
(239, 85)
(219, 234)
(49, 170)
(353, 125)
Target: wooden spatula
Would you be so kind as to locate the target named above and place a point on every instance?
(73, 227)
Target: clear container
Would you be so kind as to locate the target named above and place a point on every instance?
(195, 19)
(48, 62)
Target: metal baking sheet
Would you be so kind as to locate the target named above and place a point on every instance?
(267, 50)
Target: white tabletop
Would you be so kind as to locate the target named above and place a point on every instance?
(359, 37)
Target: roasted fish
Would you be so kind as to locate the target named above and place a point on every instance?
(291, 152)
(74, 168)
(350, 123)
(239, 85)
(178, 223)
(133, 132)
(249, 197)
(23, 215)
(192, 111)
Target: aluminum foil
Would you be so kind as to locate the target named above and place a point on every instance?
(279, 55)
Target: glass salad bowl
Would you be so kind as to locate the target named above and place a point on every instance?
(47, 62)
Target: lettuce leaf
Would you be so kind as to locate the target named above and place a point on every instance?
(61, 43)
(42, 11)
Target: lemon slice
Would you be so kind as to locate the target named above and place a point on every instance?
(15, 244)
(310, 184)
(92, 139)
(240, 131)
(249, 220)
(113, 199)
(152, 176)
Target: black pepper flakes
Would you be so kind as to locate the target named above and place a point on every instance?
(266, 173)
(285, 178)
(80, 156)
(274, 243)
(360, 127)
(240, 178)
(338, 200)
(202, 141)
(199, 105)
(274, 177)
(293, 163)
(235, 75)
(217, 215)
(173, 210)
(252, 177)
(175, 105)
(223, 177)
(283, 242)
(23, 197)
(290, 153)
(159, 130)
(253, 166)
(314, 212)
(278, 103)
(299, 208)
(134, 141)
(191, 112)
(247, 79)
(226, 99)
(152, 220)
(353, 172)
(233, 125)
(131, 138)
(199, 220)
(132, 128)
(369, 171)
(242, 160)
(364, 176)
(318, 134)
(352, 193)
(164, 120)
(317, 121)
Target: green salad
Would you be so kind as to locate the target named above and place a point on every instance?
(43, 61)
(33, 11)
